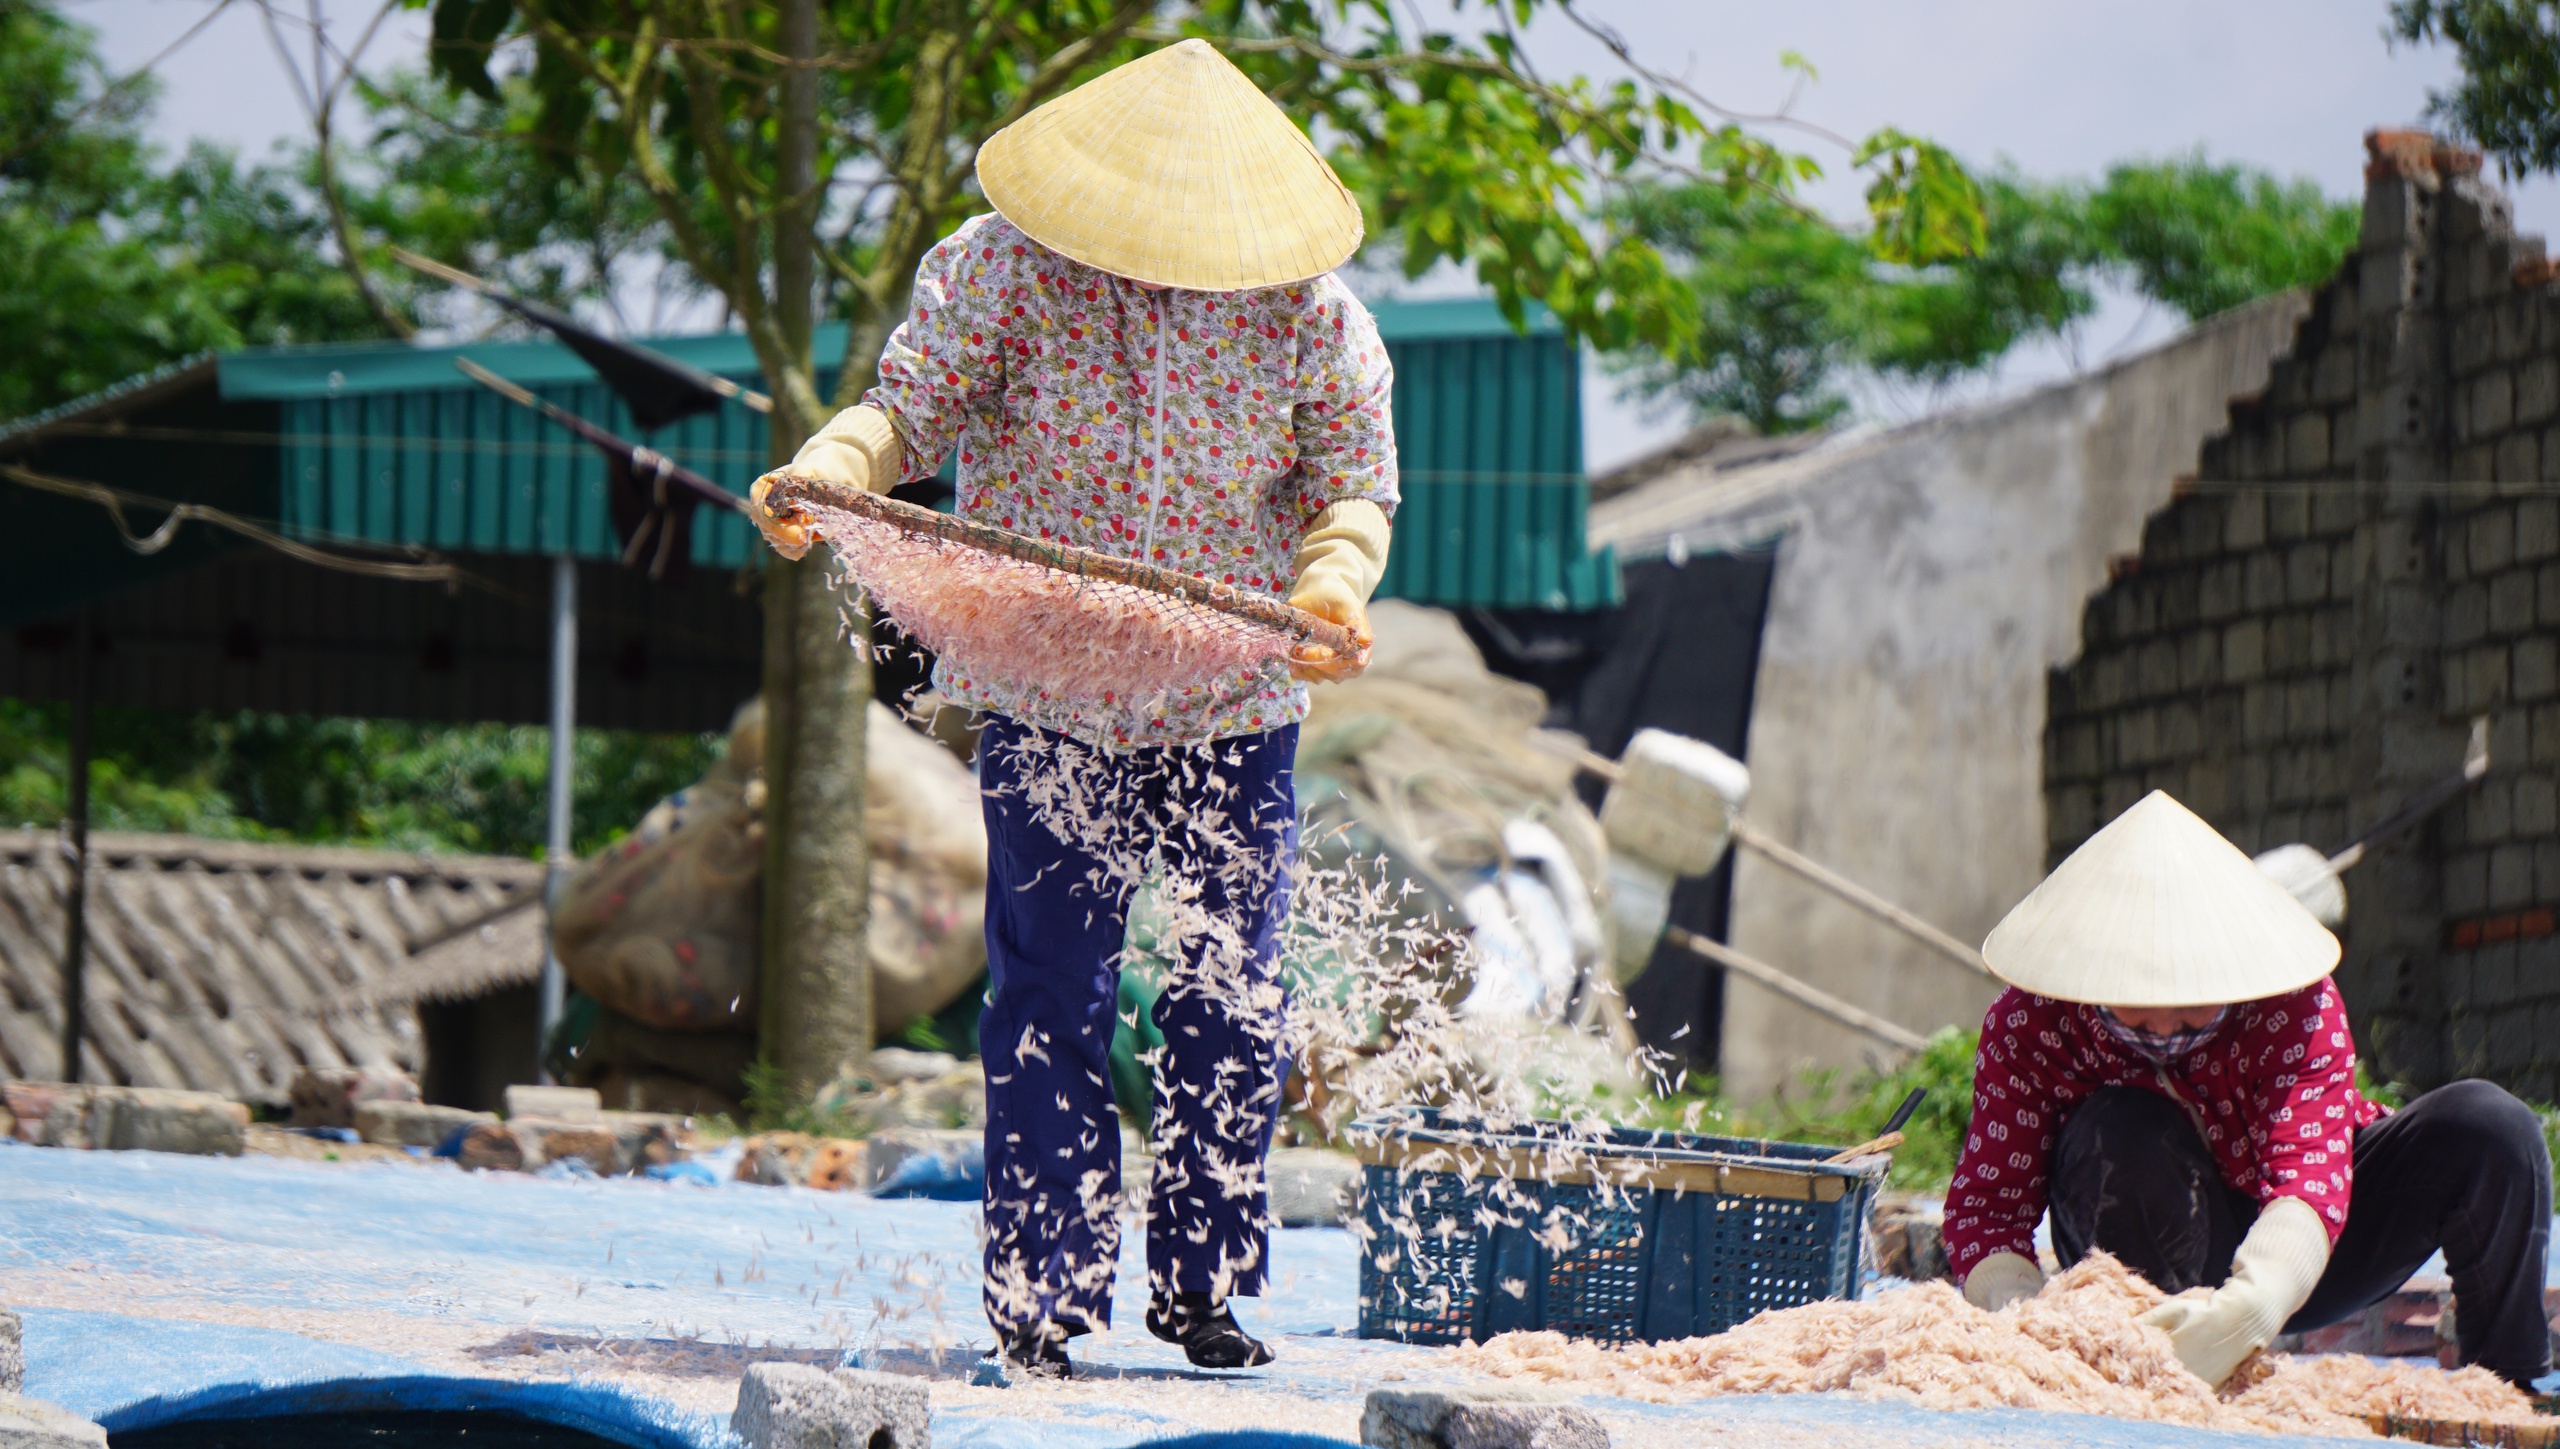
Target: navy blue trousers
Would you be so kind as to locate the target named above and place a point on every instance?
(1070, 830)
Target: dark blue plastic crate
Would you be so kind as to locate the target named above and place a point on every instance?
(1682, 1235)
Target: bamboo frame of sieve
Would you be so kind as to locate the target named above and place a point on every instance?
(795, 490)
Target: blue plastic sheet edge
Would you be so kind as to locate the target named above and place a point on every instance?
(604, 1410)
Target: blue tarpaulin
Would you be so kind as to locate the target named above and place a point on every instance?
(185, 1249)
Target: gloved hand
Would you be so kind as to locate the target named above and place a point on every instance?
(858, 448)
(1338, 565)
(2001, 1279)
(2279, 1263)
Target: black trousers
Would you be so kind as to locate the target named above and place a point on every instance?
(2463, 1168)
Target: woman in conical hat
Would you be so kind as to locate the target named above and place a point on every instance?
(1144, 351)
(2171, 1074)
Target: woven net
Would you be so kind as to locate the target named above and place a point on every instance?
(1030, 626)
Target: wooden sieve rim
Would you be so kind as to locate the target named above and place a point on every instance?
(798, 490)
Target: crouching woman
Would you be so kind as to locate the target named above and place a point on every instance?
(2171, 1074)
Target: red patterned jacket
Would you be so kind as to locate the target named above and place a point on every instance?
(2273, 1094)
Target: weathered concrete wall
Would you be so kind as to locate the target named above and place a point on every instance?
(2371, 561)
(1928, 580)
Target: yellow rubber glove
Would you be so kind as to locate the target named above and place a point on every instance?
(1338, 566)
(2272, 1276)
(2001, 1279)
(858, 448)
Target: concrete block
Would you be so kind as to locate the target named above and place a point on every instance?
(56, 1114)
(2199, 660)
(1418, 1418)
(2261, 583)
(558, 1104)
(2306, 445)
(2511, 876)
(2537, 529)
(2218, 591)
(800, 1406)
(2334, 511)
(2545, 735)
(2538, 969)
(2350, 561)
(2493, 976)
(2535, 670)
(2466, 614)
(164, 1119)
(2538, 390)
(2473, 482)
(1525, 1426)
(2171, 601)
(2306, 573)
(2306, 707)
(327, 1096)
(2489, 540)
(2244, 651)
(2516, 312)
(1312, 1188)
(793, 1406)
(2288, 644)
(2244, 521)
(2488, 815)
(2333, 375)
(2487, 684)
(2288, 515)
(34, 1424)
(2158, 663)
(412, 1124)
(2493, 405)
(2546, 870)
(493, 1146)
(2537, 806)
(2456, 973)
(2466, 883)
(890, 1404)
(2511, 602)
(545, 1140)
(13, 1353)
(2519, 461)
(2181, 730)
(2546, 595)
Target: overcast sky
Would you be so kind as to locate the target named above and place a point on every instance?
(2061, 89)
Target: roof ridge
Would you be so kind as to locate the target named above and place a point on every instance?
(169, 847)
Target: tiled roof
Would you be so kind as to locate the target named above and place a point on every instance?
(226, 967)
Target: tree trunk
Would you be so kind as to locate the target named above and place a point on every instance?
(816, 1016)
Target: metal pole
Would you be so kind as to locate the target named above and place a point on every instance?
(564, 727)
(75, 933)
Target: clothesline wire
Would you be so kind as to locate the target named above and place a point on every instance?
(431, 569)
(116, 500)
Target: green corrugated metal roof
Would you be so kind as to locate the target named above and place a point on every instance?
(393, 444)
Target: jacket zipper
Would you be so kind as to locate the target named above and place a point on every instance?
(1155, 465)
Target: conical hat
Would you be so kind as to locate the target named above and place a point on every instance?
(1173, 169)
(2159, 910)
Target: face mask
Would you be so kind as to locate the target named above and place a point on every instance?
(2161, 1048)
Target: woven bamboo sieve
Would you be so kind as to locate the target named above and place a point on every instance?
(793, 490)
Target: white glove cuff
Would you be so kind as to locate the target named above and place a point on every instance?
(2002, 1279)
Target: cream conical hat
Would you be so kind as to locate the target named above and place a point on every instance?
(1173, 169)
(2159, 910)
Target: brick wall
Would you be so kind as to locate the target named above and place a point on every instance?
(2369, 560)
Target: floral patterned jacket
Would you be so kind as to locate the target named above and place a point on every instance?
(1202, 431)
(2273, 1095)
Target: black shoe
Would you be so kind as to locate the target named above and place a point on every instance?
(1035, 1351)
(1207, 1331)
